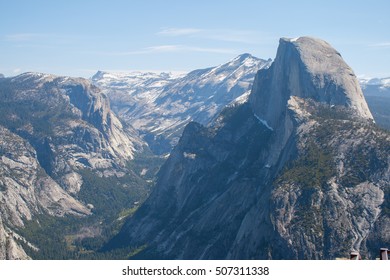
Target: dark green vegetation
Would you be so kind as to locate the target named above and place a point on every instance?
(70, 238)
(114, 199)
(147, 164)
(111, 195)
(311, 170)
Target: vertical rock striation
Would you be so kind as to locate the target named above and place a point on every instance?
(299, 171)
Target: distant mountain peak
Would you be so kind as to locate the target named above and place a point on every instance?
(244, 56)
(246, 59)
(98, 75)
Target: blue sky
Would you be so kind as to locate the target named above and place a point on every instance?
(77, 37)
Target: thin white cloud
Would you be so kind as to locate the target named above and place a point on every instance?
(210, 50)
(153, 49)
(179, 31)
(381, 45)
(16, 71)
(170, 49)
(225, 35)
(183, 48)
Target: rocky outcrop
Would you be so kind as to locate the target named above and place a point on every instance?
(25, 191)
(161, 105)
(298, 171)
(53, 131)
(69, 123)
(25, 187)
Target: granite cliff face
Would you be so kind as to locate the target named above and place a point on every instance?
(54, 131)
(25, 191)
(297, 171)
(307, 68)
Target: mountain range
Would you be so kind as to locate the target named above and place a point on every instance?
(159, 106)
(65, 153)
(259, 159)
(298, 170)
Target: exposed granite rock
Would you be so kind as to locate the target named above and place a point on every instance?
(25, 191)
(297, 172)
(51, 130)
(69, 123)
(309, 68)
(25, 188)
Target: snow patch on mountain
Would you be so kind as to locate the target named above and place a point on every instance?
(264, 122)
(383, 84)
(159, 105)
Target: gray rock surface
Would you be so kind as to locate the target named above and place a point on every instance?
(297, 172)
(309, 68)
(52, 129)
(26, 190)
(10, 248)
(69, 123)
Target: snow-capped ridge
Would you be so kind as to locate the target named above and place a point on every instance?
(161, 104)
(381, 82)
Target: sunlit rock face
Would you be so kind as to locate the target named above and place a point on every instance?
(296, 171)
